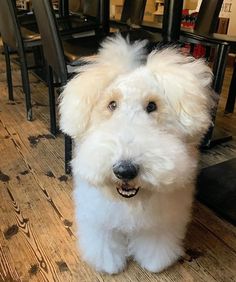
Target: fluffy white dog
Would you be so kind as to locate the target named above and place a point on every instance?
(136, 121)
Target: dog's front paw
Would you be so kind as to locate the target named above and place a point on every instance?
(104, 252)
(157, 255)
(110, 263)
(104, 259)
(159, 261)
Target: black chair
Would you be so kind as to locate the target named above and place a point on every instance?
(231, 41)
(89, 8)
(130, 23)
(208, 15)
(26, 18)
(206, 24)
(75, 6)
(132, 16)
(75, 17)
(59, 55)
(69, 23)
(202, 34)
(230, 104)
(133, 12)
(207, 20)
(20, 39)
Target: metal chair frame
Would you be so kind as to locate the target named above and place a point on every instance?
(54, 54)
(12, 39)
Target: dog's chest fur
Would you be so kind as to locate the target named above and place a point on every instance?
(131, 214)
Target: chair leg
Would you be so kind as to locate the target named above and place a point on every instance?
(39, 60)
(68, 154)
(219, 66)
(229, 108)
(52, 104)
(8, 71)
(26, 86)
(191, 48)
(208, 53)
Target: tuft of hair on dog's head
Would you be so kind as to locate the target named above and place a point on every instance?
(115, 57)
(183, 82)
(186, 86)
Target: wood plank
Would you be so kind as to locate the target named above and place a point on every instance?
(7, 268)
(54, 228)
(19, 224)
(222, 229)
(213, 257)
(50, 184)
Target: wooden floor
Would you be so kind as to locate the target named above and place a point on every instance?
(37, 226)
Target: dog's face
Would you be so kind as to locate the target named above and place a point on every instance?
(135, 124)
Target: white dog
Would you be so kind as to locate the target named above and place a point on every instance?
(136, 121)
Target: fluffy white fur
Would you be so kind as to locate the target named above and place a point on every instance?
(149, 227)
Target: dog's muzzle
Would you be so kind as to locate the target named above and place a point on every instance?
(127, 191)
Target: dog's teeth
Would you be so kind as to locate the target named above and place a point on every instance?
(127, 193)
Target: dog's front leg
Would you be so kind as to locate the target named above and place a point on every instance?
(155, 251)
(103, 249)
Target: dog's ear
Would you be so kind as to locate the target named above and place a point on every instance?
(185, 84)
(116, 56)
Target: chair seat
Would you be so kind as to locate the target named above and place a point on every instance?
(141, 34)
(26, 19)
(29, 35)
(30, 38)
(74, 49)
(68, 26)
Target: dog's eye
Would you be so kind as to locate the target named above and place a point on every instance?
(112, 106)
(151, 107)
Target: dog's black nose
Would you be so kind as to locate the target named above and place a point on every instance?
(125, 170)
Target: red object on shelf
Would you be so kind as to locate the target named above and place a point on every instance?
(199, 51)
(188, 20)
(186, 49)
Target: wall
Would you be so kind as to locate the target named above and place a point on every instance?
(229, 11)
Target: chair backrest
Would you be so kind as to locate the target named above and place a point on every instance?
(96, 9)
(9, 25)
(133, 11)
(207, 18)
(90, 8)
(75, 6)
(50, 37)
(172, 20)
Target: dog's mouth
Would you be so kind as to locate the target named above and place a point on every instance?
(126, 190)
